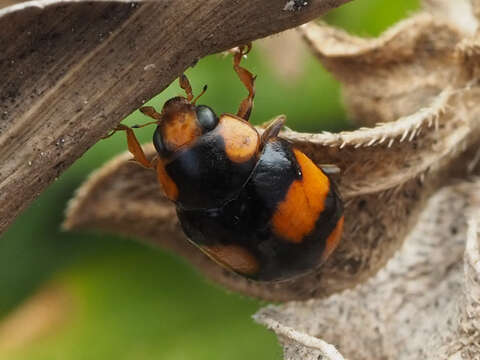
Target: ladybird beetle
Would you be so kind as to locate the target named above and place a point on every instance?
(253, 203)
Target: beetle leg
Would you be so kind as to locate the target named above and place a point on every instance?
(273, 128)
(185, 85)
(150, 112)
(205, 87)
(133, 146)
(146, 124)
(247, 78)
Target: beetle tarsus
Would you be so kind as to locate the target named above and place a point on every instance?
(205, 87)
(133, 146)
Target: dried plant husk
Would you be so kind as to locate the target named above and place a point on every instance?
(388, 171)
(408, 177)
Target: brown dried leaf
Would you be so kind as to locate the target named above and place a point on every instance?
(72, 70)
(394, 75)
(435, 139)
(417, 87)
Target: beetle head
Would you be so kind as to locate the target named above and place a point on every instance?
(181, 122)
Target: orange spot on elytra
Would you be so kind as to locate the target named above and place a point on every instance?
(169, 186)
(241, 138)
(297, 214)
(333, 239)
(233, 257)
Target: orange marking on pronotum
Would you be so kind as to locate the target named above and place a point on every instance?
(297, 214)
(241, 139)
(234, 257)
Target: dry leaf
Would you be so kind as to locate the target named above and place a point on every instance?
(417, 88)
(72, 70)
(388, 171)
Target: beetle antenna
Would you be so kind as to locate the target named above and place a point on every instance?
(143, 125)
(198, 97)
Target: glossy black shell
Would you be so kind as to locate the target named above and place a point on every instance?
(245, 219)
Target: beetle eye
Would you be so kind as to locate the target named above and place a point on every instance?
(158, 142)
(206, 117)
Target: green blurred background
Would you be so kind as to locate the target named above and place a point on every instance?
(113, 298)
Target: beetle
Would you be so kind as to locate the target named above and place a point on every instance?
(253, 203)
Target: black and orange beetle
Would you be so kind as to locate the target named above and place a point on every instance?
(254, 204)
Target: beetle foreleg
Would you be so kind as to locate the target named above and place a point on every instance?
(133, 146)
